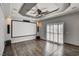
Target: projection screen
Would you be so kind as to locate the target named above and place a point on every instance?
(21, 29)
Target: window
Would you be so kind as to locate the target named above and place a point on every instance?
(55, 32)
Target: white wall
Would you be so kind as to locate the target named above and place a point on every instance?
(2, 32)
(71, 27)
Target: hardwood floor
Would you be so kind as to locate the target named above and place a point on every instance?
(8, 51)
(40, 48)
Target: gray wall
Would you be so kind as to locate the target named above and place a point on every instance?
(71, 28)
(2, 32)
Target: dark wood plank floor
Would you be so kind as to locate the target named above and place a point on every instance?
(40, 48)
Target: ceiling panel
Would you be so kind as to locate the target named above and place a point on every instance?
(26, 7)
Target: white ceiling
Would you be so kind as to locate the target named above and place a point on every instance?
(74, 7)
(5, 8)
(13, 8)
(43, 7)
(10, 9)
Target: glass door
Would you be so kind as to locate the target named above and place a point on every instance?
(55, 32)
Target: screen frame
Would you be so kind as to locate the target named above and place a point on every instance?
(23, 35)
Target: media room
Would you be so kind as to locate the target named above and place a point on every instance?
(39, 29)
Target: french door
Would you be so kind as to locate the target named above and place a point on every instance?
(55, 32)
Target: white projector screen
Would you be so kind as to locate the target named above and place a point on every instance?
(20, 28)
